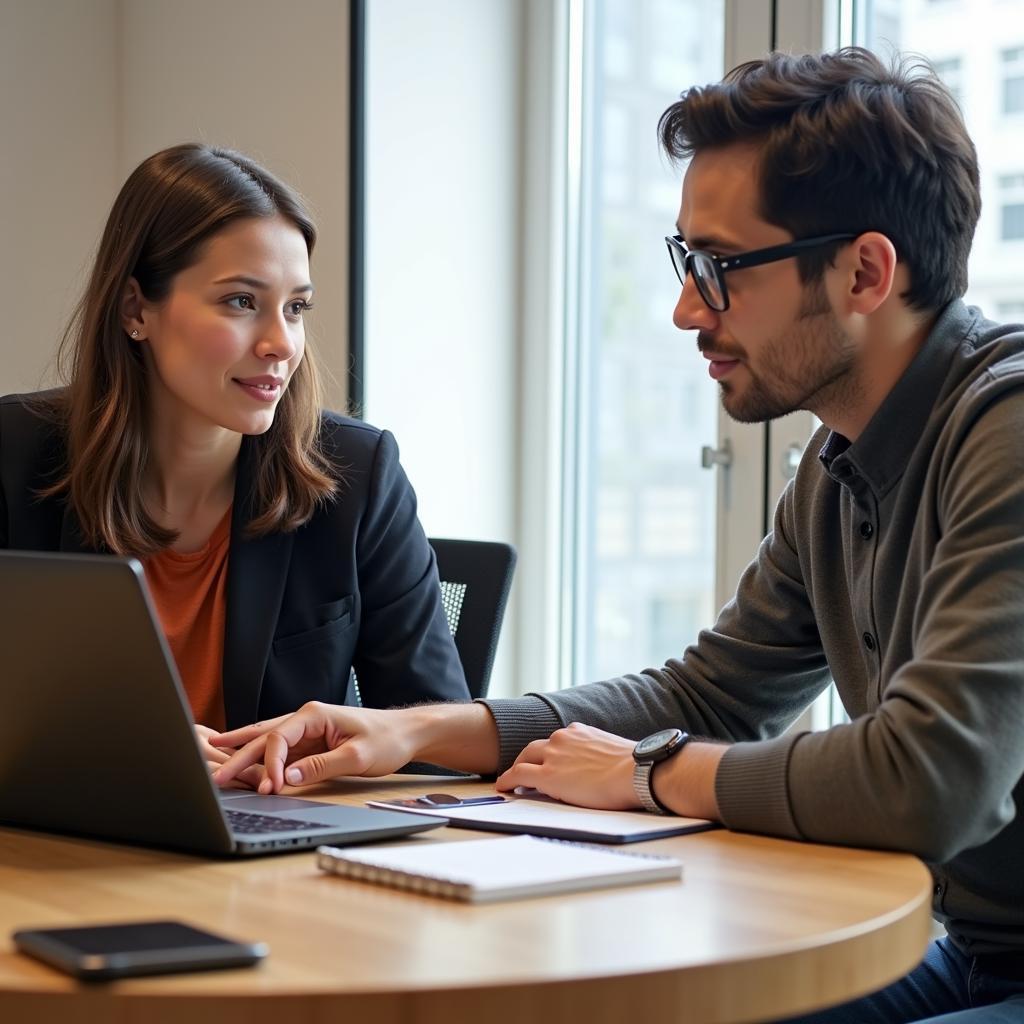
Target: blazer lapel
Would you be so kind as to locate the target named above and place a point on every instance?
(257, 570)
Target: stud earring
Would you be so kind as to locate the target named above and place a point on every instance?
(135, 334)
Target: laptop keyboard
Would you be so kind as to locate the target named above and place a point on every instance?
(245, 824)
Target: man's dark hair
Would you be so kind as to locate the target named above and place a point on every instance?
(848, 145)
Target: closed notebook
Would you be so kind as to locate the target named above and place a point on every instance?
(485, 870)
(538, 815)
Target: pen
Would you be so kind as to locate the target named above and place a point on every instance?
(447, 800)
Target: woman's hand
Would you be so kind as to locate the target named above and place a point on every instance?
(215, 756)
(319, 741)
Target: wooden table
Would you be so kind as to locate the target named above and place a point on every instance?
(758, 928)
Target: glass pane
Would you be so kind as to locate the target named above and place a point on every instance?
(1013, 95)
(646, 521)
(1013, 221)
(978, 50)
(966, 44)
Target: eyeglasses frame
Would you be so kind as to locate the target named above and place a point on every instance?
(754, 258)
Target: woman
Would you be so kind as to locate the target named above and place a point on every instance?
(280, 544)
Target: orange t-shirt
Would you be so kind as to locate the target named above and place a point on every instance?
(190, 593)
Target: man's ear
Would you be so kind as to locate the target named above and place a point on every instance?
(133, 311)
(872, 264)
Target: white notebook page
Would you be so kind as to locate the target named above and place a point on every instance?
(505, 868)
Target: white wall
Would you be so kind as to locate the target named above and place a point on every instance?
(58, 164)
(88, 88)
(442, 226)
(269, 79)
(443, 95)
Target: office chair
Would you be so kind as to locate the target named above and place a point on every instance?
(475, 580)
(476, 576)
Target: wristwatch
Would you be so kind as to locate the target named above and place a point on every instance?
(652, 750)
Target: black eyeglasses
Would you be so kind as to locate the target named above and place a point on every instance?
(709, 270)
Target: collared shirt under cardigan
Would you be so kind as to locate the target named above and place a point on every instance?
(896, 567)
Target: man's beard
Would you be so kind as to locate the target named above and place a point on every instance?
(807, 369)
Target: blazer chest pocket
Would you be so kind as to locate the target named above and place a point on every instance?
(334, 617)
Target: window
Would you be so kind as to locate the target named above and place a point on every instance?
(987, 79)
(644, 510)
(996, 269)
(1013, 80)
(950, 69)
(1013, 221)
(1011, 207)
(1010, 311)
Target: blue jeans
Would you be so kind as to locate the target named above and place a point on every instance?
(947, 987)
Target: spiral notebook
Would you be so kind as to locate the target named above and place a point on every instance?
(486, 870)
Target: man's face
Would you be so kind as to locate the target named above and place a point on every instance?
(779, 346)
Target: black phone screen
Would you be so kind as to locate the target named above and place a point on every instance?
(134, 938)
(145, 947)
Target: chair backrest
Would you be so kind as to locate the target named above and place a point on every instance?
(476, 577)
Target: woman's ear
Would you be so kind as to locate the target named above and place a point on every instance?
(133, 311)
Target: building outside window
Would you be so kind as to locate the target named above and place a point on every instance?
(1013, 79)
(950, 70)
(1011, 207)
(1010, 311)
(645, 511)
(643, 524)
(988, 80)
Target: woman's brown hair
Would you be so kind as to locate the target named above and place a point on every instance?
(170, 206)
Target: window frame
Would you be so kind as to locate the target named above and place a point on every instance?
(553, 257)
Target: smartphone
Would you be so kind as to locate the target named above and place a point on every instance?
(101, 952)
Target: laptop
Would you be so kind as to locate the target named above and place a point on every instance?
(96, 736)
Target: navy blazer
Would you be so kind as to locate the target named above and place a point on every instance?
(355, 587)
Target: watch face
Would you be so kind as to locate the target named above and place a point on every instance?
(652, 744)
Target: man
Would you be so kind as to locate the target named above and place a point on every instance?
(826, 220)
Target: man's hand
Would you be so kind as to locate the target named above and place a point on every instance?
(585, 766)
(319, 741)
(215, 756)
(578, 765)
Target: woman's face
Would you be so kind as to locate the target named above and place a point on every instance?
(224, 343)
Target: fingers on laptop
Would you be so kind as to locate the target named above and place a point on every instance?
(327, 763)
(299, 749)
(246, 758)
(216, 755)
(261, 770)
(247, 733)
(248, 779)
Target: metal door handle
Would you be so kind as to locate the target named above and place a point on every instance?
(710, 456)
(790, 460)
